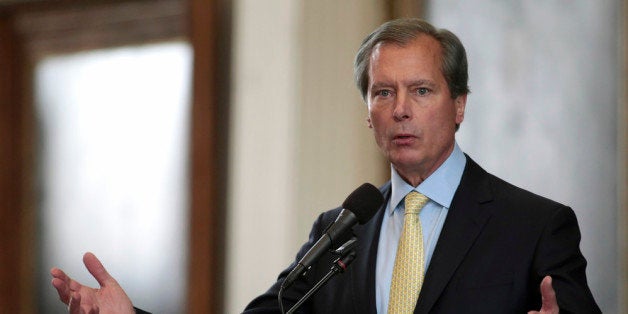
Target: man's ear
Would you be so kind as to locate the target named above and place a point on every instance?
(460, 103)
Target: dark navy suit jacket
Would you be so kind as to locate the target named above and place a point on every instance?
(497, 244)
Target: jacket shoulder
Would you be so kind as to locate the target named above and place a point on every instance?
(489, 187)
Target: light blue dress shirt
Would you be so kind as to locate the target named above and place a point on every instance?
(439, 188)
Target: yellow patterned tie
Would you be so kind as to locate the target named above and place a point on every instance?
(408, 272)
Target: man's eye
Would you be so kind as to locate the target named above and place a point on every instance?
(422, 91)
(384, 93)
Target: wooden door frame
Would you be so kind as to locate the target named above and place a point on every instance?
(15, 218)
(24, 37)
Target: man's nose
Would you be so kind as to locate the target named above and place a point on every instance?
(402, 110)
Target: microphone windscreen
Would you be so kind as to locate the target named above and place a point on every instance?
(364, 202)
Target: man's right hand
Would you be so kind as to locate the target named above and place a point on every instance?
(110, 298)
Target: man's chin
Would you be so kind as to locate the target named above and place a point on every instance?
(401, 162)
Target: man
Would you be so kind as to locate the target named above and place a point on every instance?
(487, 246)
(475, 244)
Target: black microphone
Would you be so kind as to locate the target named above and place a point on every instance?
(359, 206)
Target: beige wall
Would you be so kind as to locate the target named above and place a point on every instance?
(336, 151)
(299, 141)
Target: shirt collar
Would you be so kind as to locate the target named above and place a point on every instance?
(439, 187)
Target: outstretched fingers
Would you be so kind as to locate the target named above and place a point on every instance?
(110, 298)
(61, 282)
(95, 267)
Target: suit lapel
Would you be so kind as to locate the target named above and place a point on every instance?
(363, 269)
(466, 218)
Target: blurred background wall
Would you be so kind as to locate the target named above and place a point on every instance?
(533, 118)
(299, 143)
(113, 120)
(276, 134)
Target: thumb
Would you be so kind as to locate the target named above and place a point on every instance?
(548, 296)
(95, 267)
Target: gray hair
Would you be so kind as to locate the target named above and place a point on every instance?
(454, 59)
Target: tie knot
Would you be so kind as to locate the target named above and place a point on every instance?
(414, 202)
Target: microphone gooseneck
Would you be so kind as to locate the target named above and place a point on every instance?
(340, 265)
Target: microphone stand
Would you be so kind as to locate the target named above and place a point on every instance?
(347, 255)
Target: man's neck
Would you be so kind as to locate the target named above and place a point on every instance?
(415, 175)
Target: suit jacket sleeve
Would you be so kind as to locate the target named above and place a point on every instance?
(268, 302)
(558, 255)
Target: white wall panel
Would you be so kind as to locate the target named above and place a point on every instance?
(542, 112)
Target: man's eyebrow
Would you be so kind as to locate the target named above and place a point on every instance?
(419, 82)
(428, 83)
(377, 85)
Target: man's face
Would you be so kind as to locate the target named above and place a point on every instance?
(410, 108)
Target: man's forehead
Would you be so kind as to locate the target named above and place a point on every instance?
(422, 47)
(425, 60)
(425, 46)
(422, 39)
